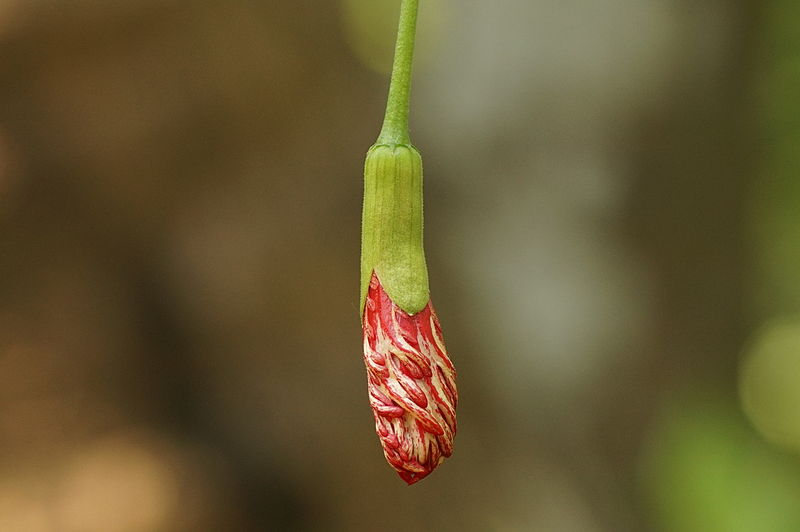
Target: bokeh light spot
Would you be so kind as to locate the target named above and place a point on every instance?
(117, 485)
(770, 382)
(22, 512)
(705, 471)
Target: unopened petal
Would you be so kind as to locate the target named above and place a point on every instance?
(411, 384)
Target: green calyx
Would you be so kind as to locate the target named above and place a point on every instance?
(391, 237)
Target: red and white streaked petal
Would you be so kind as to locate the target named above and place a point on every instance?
(411, 382)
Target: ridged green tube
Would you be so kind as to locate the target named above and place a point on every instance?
(391, 238)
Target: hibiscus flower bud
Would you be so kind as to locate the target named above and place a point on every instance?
(411, 380)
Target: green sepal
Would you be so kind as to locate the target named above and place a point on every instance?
(391, 226)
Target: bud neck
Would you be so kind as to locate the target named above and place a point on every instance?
(395, 122)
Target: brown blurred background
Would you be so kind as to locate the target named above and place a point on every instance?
(612, 230)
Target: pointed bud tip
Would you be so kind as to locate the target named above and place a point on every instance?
(412, 478)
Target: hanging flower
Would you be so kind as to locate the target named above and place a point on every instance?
(411, 380)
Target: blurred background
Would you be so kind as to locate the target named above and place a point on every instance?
(613, 229)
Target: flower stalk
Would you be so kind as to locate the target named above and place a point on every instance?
(411, 380)
(395, 122)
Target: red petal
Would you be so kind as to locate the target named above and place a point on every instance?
(411, 383)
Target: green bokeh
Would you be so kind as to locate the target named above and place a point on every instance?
(776, 213)
(704, 470)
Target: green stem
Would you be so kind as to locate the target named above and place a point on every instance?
(395, 122)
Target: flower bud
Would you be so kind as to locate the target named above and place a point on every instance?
(411, 380)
